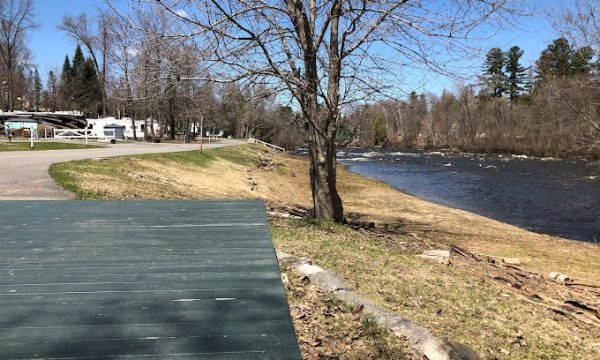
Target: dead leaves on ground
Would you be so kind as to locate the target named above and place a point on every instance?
(327, 328)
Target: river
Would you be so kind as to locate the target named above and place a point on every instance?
(546, 195)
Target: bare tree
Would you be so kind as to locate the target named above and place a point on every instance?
(153, 74)
(326, 54)
(580, 22)
(122, 55)
(16, 19)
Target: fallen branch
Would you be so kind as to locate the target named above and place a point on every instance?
(464, 253)
(572, 309)
(582, 284)
(579, 305)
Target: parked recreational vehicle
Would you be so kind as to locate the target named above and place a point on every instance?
(123, 126)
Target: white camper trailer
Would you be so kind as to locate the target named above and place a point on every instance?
(98, 125)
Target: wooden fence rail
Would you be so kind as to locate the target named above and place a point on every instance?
(275, 147)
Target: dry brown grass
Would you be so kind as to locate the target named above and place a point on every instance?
(451, 301)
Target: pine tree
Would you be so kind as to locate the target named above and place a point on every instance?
(66, 84)
(78, 62)
(555, 60)
(561, 59)
(517, 76)
(91, 92)
(78, 86)
(581, 61)
(494, 76)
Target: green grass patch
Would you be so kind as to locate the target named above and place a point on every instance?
(41, 146)
(63, 177)
(240, 155)
(185, 158)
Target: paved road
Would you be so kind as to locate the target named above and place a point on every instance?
(24, 174)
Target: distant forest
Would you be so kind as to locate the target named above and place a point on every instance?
(550, 108)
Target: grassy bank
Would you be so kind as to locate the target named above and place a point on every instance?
(461, 300)
(40, 146)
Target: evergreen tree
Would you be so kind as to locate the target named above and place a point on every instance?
(77, 80)
(379, 130)
(79, 85)
(90, 96)
(494, 76)
(78, 62)
(555, 60)
(37, 90)
(581, 61)
(517, 78)
(65, 88)
(561, 59)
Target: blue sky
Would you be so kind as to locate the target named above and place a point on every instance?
(532, 34)
(49, 46)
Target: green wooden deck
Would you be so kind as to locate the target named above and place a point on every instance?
(140, 280)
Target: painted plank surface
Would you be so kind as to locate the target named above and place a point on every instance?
(140, 280)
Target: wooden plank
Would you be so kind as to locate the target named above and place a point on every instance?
(124, 269)
(141, 279)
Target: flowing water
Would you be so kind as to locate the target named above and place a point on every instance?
(558, 197)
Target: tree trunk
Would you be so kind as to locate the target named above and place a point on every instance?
(133, 127)
(321, 141)
(327, 203)
(172, 117)
(145, 129)
(10, 73)
(326, 200)
(11, 106)
(322, 125)
(103, 80)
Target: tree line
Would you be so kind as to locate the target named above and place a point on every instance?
(549, 109)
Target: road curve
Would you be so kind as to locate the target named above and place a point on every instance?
(24, 174)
